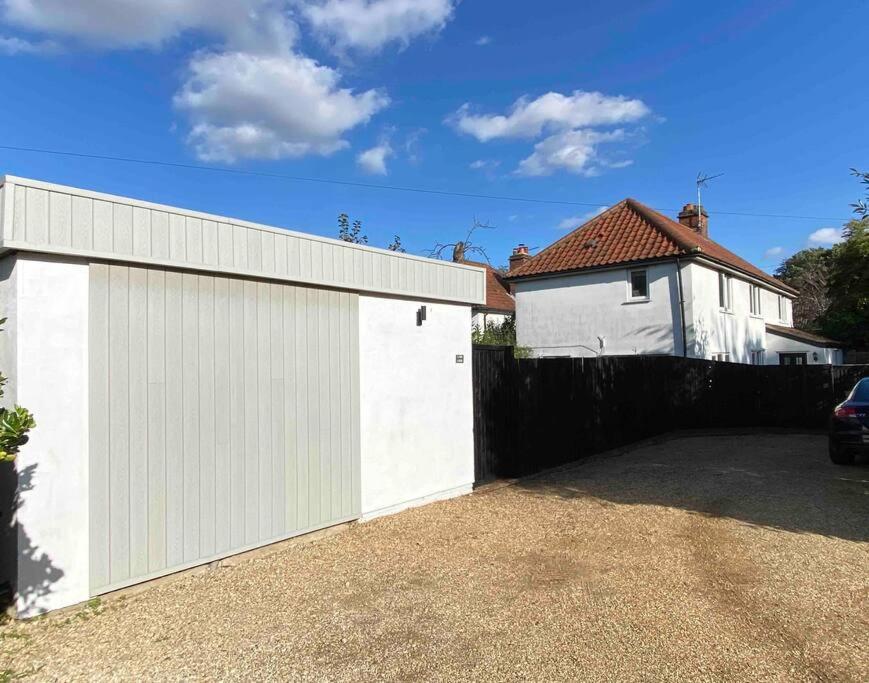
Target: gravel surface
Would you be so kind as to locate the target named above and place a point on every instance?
(716, 558)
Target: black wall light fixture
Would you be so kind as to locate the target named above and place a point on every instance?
(420, 316)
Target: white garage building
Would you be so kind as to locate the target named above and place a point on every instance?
(203, 386)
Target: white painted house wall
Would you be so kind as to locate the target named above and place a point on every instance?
(417, 432)
(713, 331)
(51, 380)
(776, 344)
(738, 332)
(564, 316)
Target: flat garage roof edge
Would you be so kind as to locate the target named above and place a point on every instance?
(56, 219)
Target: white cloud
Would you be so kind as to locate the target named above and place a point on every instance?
(825, 237)
(373, 160)
(550, 112)
(484, 165)
(18, 46)
(371, 24)
(483, 40)
(575, 221)
(252, 24)
(249, 93)
(412, 144)
(772, 252)
(574, 151)
(569, 124)
(262, 106)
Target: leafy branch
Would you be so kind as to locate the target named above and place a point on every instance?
(861, 207)
(14, 424)
(352, 233)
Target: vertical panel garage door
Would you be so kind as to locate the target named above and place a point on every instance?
(224, 414)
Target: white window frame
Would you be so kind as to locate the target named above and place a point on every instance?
(758, 357)
(755, 298)
(725, 285)
(721, 357)
(630, 284)
(782, 309)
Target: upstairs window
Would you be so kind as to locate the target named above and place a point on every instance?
(639, 284)
(782, 308)
(757, 357)
(725, 291)
(754, 303)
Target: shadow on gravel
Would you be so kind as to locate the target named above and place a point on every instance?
(780, 481)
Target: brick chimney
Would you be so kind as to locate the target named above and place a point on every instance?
(689, 218)
(519, 256)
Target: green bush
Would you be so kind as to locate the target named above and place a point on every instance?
(14, 424)
(500, 335)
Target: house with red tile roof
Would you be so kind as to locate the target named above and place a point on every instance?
(633, 281)
(499, 301)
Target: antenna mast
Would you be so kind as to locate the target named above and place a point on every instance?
(702, 180)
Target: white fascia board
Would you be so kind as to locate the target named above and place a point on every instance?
(433, 270)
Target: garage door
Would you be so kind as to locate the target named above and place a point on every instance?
(224, 415)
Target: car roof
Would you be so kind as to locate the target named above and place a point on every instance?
(862, 387)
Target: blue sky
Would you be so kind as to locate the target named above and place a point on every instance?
(566, 101)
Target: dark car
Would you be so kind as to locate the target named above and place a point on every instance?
(849, 426)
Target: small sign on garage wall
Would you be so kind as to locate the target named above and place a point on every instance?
(460, 358)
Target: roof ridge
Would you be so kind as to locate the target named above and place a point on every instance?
(663, 224)
(664, 238)
(590, 221)
(687, 238)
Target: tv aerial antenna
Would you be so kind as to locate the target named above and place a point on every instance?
(702, 182)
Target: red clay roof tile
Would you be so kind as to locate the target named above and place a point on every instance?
(498, 296)
(629, 232)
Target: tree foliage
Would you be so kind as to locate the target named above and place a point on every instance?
(395, 245)
(809, 272)
(861, 207)
(15, 423)
(500, 335)
(348, 232)
(847, 317)
(834, 283)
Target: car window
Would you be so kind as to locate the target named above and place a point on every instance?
(861, 391)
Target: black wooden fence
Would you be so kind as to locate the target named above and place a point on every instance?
(531, 414)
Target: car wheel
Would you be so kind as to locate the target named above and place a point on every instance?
(840, 457)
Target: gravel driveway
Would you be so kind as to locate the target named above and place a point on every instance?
(715, 558)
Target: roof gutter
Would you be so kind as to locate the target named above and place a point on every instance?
(694, 254)
(589, 269)
(782, 288)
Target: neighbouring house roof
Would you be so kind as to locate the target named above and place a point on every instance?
(631, 232)
(803, 336)
(498, 297)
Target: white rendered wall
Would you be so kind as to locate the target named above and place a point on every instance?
(8, 476)
(712, 330)
(416, 404)
(51, 380)
(564, 316)
(738, 331)
(776, 344)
